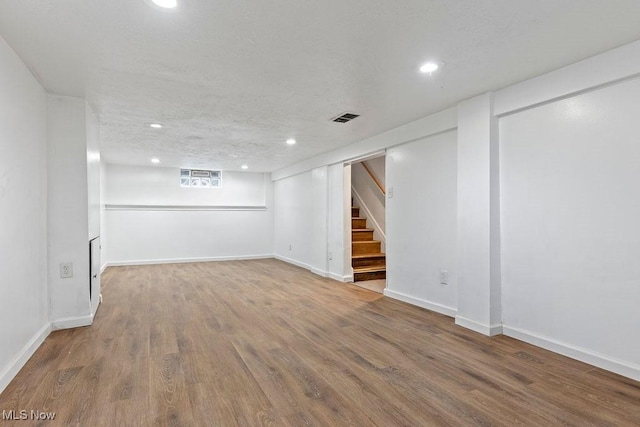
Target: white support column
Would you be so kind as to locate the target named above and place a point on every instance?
(479, 270)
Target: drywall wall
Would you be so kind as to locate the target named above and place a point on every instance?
(157, 185)
(104, 252)
(93, 171)
(93, 196)
(151, 219)
(377, 167)
(311, 211)
(571, 236)
(317, 221)
(293, 210)
(338, 220)
(24, 302)
(68, 211)
(478, 217)
(421, 222)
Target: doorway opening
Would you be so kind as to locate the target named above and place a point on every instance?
(368, 239)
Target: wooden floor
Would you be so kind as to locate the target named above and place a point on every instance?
(376, 285)
(266, 343)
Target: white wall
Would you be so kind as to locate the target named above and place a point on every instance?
(104, 253)
(68, 214)
(378, 168)
(317, 221)
(156, 185)
(311, 211)
(338, 222)
(93, 172)
(421, 222)
(94, 201)
(24, 302)
(571, 234)
(150, 218)
(293, 210)
(479, 275)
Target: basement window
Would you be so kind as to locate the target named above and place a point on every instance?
(197, 178)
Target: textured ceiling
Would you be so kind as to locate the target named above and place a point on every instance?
(232, 80)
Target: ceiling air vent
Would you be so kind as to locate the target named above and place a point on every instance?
(344, 118)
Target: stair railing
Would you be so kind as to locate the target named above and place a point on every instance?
(373, 177)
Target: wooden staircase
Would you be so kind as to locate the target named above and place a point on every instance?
(367, 259)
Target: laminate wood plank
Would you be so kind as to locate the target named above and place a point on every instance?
(169, 402)
(349, 374)
(263, 342)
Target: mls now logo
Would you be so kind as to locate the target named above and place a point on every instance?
(27, 415)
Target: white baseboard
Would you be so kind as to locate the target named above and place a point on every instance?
(23, 356)
(104, 267)
(620, 367)
(319, 272)
(186, 260)
(340, 278)
(433, 306)
(489, 330)
(314, 270)
(293, 261)
(72, 322)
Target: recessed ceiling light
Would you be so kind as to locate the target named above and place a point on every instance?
(154, 160)
(291, 141)
(167, 4)
(245, 167)
(429, 67)
(155, 125)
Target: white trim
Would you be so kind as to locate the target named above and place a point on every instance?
(313, 269)
(443, 121)
(621, 367)
(429, 305)
(72, 322)
(489, 330)
(366, 157)
(12, 369)
(294, 262)
(374, 223)
(186, 260)
(104, 267)
(340, 278)
(319, 272)
(615, 65)
(182, 208)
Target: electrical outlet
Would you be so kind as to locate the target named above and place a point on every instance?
(66, 270)
(330, 256)
(390, 192)
(289, 247)
(444, 277)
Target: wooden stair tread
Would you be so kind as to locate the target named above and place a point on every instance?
(369, 269)
(371, 255)
(362, 229)
(367, 241)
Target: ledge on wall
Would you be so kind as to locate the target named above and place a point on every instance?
(183, 208)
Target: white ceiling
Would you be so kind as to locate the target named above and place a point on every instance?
(231, 80)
